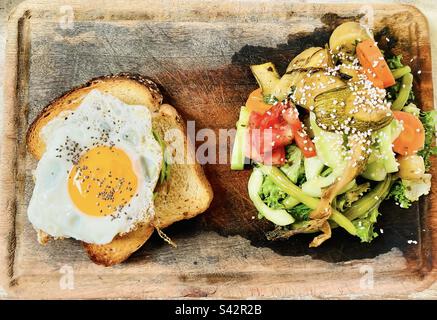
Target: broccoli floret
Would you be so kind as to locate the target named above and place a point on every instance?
(271, 194)
(294, 168)
(397, 193)
(300, 212)
(365, 226)
(395, 62)
(429, 121)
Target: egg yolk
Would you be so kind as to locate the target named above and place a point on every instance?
(102, 182)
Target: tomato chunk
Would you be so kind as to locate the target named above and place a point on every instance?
(270, 132)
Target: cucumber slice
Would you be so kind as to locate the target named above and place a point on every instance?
(238, 150)
(277, 216)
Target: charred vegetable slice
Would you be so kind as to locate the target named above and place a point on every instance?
(266, 75)
(311, 58)
(346, 36)
(338, 106)
(314, 84)
(287, 84)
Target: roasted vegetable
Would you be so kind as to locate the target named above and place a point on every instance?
(337, 106)
(313, 85)
(355, 132)
(374, 65)
(266, 75)
(412, 137)
(287, 84)
(256, 102)
(365, 118)
(415, 188)
(411, 167)
(348, 71)
(346, 36)
(310, 59)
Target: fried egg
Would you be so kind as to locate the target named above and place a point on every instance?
(97, 175)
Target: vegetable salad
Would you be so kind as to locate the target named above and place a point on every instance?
(333, 137)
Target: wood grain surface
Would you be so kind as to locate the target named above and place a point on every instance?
(199, 52)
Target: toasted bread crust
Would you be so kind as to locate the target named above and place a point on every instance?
(72, 99)
(164, 220)
(171, 202)
(120, 248)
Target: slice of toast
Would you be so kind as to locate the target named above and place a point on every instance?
(184, 195)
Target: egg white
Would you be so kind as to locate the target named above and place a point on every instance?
(129, 128)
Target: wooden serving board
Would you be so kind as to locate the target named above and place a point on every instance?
(199, 51)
